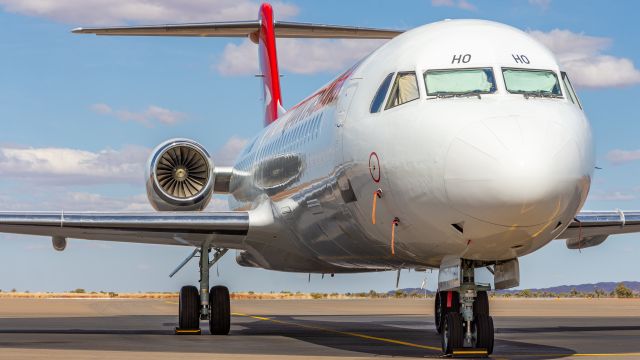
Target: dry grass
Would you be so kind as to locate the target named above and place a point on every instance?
(106, 295)
(69, 295)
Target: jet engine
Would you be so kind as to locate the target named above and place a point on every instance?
(180, 176)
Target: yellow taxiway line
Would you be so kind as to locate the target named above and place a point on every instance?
(353, 334)
(420, 346)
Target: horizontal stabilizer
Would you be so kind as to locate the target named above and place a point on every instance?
(246, 29)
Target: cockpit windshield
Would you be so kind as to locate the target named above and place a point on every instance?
(459, 82)
(543, 83)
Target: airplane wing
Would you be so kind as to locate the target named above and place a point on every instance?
(245, 29)
(223, 229)
(591, 228)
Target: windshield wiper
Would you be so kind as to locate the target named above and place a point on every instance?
(540, 94)
(448, 95)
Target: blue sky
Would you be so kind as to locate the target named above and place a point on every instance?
(81, 113)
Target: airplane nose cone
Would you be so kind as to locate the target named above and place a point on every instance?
(515, 171)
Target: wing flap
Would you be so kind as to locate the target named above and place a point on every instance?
(224, 229)
(245, 29)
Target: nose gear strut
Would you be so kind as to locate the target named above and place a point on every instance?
(467, 329)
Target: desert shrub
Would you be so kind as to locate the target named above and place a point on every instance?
(622, 291)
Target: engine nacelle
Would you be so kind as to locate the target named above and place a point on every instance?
(180, 176)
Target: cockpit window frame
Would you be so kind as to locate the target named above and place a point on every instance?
(506, 87)
(395, 84)
(494, 88)
(386, 83)
(571, 91)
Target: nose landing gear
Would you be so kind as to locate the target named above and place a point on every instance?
(466, 327)
(207, 304)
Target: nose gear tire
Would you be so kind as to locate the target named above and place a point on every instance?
(452, 333)
(481, 304)
(485, 332)
(441, 309)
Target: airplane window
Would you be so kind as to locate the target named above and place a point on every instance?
(404, 89)
(529, 82)
(456, 82)
(572, 93)
(376, 104)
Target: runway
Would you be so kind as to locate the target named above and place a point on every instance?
(310, 329)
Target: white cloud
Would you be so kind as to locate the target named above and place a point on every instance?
(460, 4)
(583, 58)
(64, 166)
(93, 201)
(618, 156)
(544, 4)
(50, 169)
(226, 154)
(116, 12)
(612, 196)
(52, 200)
(297, 56)
(102, 108)
(153, 114)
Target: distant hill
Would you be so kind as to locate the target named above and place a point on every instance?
(584, 288)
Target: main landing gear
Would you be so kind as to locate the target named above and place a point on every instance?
(206, 304)
(462, 317)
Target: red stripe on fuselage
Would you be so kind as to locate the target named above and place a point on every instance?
(322, 98)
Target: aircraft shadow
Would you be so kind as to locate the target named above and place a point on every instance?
(375, 335)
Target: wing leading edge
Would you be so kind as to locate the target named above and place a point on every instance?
(283, 29)
(223, 229)
(591, 228)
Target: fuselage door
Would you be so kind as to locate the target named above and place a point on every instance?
(344, 102)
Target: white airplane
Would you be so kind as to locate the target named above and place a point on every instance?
(456, 145)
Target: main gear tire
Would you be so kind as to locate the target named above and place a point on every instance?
(220, 311)
(189, 308)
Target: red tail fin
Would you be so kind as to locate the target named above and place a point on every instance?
(269, 65)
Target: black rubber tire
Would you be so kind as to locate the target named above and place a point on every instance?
(441, 300)
(220, 308)
(189, 308)
(452, 333)
(484, 332)
(437, 312)
(481, 304)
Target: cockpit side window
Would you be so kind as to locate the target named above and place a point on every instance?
(378, 99)
(528, 82)
(459, 82)
(404, 89)
(570, 91)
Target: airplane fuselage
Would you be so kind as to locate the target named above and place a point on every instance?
(483, 176)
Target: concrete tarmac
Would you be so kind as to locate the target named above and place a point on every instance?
(310, 329)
